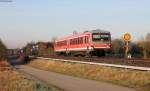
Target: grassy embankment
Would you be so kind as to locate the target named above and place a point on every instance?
(11, 80)
(139, 80)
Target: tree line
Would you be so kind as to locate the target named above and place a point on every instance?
(39, 48)
(137, 49)
(3, 50)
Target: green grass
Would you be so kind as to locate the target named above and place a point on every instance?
(139, 80)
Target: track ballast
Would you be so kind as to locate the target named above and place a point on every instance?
(108, 60)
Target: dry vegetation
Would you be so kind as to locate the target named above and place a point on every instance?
(135, 79)
(11, 80)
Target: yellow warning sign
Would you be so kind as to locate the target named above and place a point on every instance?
(127, 37)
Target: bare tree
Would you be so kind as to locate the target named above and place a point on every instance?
(117, 47)
(53, 39)
(148, 44)
(3, 49)
(145, 45)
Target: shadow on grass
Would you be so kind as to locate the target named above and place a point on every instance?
(22, 60)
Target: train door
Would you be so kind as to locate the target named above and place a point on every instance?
(86, 43)
(67, 47)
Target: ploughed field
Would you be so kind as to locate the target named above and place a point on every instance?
(110, 60)
(12, 80)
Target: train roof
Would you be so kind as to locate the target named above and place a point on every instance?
(71, 36)
(82, 34)
(99, 31)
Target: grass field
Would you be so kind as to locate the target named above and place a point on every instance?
(139, 80)
(11, 80)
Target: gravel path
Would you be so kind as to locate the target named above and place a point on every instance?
(69, 83)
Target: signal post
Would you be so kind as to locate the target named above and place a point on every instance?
(127, 38)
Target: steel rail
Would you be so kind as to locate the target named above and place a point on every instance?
(100, 64)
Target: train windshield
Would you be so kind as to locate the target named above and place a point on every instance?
(101, 37)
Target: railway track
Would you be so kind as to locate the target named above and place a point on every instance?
(108, 60)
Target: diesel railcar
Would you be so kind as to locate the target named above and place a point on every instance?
(94, 43)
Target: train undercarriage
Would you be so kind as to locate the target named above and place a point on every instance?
(85, 53)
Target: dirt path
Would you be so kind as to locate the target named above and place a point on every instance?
(69, 83)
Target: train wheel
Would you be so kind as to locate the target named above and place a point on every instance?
(88, 55)
(100, 53)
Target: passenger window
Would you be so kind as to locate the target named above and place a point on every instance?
(87, 39)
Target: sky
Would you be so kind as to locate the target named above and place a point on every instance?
(23, 21)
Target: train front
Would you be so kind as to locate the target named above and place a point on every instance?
(101, 42)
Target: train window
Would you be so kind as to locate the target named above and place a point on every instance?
(96, 36)
(102, 36)
(105, 36)
(62, 43)
(80, 40)
(86, 39)
(70, 41)
(75, 40)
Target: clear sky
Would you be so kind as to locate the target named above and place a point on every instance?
(23, 21)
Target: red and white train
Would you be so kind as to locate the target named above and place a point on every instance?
(95, 42)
